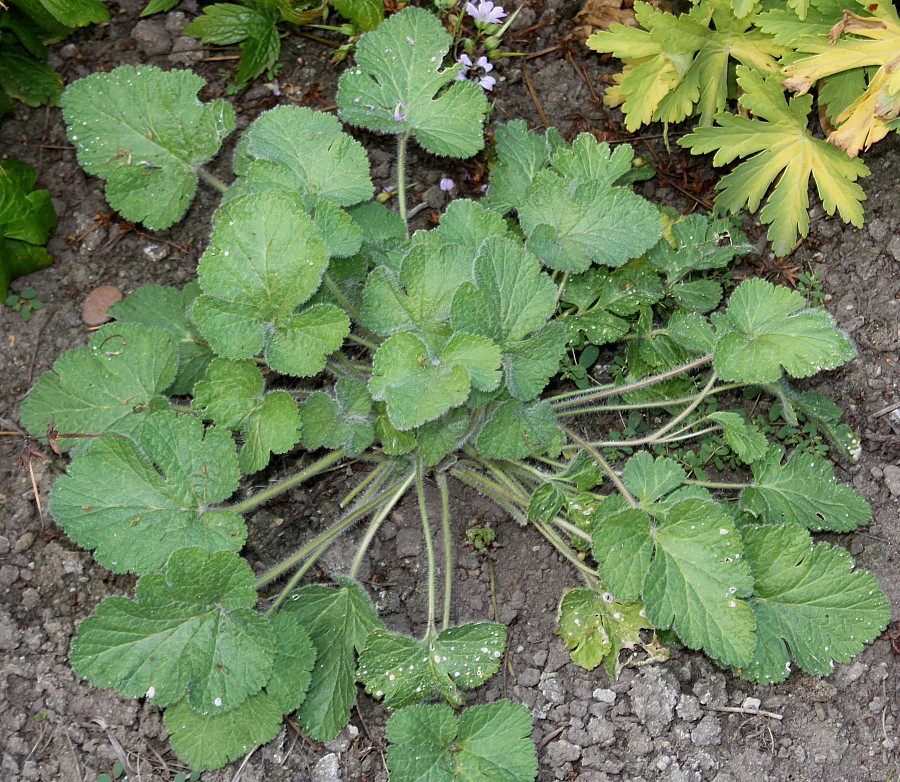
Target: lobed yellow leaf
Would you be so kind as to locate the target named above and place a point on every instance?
(875, 42)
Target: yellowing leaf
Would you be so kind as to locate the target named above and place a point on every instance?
(782, 155)
(679, 66)
(874, 41)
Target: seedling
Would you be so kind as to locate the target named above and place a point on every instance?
(431, 358)
(24, 302)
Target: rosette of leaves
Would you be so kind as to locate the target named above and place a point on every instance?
(26, 219)
(428, 358)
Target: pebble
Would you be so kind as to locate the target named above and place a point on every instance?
(94, 311)
(156, 252)
(562, 751)
(708, 731)
(327, 769)
(892, 479)
(23, 543)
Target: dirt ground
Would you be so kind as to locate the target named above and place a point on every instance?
(668, 722)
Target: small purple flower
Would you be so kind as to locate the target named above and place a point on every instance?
(399, 116)
(465, 62)
(487, 82)
(485, 12)
(485, 64)
(446, 184)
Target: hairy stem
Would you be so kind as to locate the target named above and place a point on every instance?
(570, 398)
(448, 548)
(373, 478)
(402, 140)
(590, 575)
(298, 574)
(288, 483)
(377, 522)
(684, 400)
(604, 465)
(323, 539)
(490, 489)
(211, 179)
(342, 299)
(718, 485)
(429, 545)
(656, 437)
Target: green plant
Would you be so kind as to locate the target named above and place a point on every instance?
(692, 65)
(115, 774)
(26, 219)
(257, 24)
(24, 302)
(25, 27)
(431, 355)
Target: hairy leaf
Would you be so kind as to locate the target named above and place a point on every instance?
(745, 438)
(208, 741)
(233, 396)
(264, 260)
(521, 155)
(400, 87)
(403, 670)
(766, 327)
(144, 131)
(510, 300)
(516, 429)
(305, 152)
(486, 742)
(596, 627)
(341, 419)
(190, 631)
(26, 78)
(803, 491)
(808, 599)
(154, 495)
(418, 386)
(108, 387)
(338, 622)
(571, 225)
(650, 478)
(365, 14)
(689, 572)
(161, 306)
(295, 656)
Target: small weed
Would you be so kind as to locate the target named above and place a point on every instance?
(24, 302)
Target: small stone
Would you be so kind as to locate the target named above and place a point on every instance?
(529, 677)
(605, 696)
(708, 732)
(653, 698)
(894, 247)
(563, 751)
(751, 703)
(892, 479)
(5, 545)
(94, 311)
(23, 543)
(327, 769)
(156, 252)
(688, 708)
